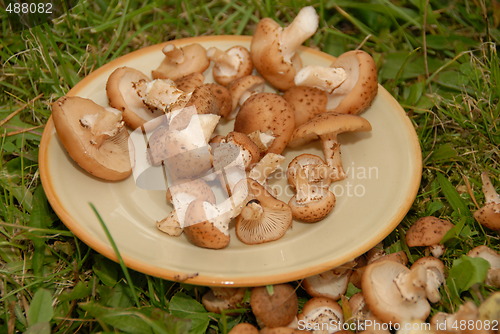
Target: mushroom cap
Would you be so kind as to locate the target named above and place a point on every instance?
(489, 216)
(327, 284)
(267, 58)
(493, 258)
(244, 328)
(427, 231)
(316, 165)
(325, 124)
(246, 143)
(217, 302)
(307, 102)
(224, 73)
(123, 95)
(268, 218)
(435, 273)
(194, 59)
(276, 310)
(195, 188)
(211, 98)
(201, 231)
(242, 88)
(358, 91)
(384, 298)
(110, 160)
(322, 312)
(190, 82)
(267, 112)
(313, 211)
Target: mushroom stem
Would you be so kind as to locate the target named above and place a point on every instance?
(173, 53)
(302, 27)
(252, 211)
(223, 59)
(331, 150)
(303, 186)
(324, 78)
(490, 194)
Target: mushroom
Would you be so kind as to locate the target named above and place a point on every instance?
(359, 315)
(282, 330)
(490, 308)
(327, 127)
(467, 313)
(308, 169)
(161, 95)
(434, 273)
(394, 293)
(307, 102)
(263, 140)
(222, 299)
(267, 112)
(241, 89)
(493, 258)
(372, 257)
(94, 137)
(231, 64)
(352, 82)
(170, 225)
(233, 145)
(181, 61)
(273, 48)
(263, 218)
(207, 225)
(330, 284)
(489, 214)
(122, 92)
(321, 315)
(211, 98)
(316, 205)
(261, 171)
(244, 328)
(275, 308)
(428, 231)
(190, 82)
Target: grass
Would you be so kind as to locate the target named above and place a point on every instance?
(438, 58)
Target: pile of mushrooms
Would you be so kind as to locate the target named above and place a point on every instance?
(309, 103)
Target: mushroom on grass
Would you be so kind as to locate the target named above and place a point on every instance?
(263, 218)
(330, 284)
(181, 61)
(435, 276)
(273, 48)
(267, 112)
(244, 328)
(493, 258)
(350, 81)
(231, 64)
(94, 137)
(322, 315)
(274, 307)
(221, 299)
(489, 214)
(327, 127)
(428, 231)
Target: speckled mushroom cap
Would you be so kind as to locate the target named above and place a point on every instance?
(93, 136)
(357, 92)
(313, 211)
(190, 82)
(182, 61)
(323, 312)
(219, 299)
(427, 231)
(489, 214)
(211, 98)
(307, 102)
(267, 112)
(122, 95)
(244, 328)
(276, 310)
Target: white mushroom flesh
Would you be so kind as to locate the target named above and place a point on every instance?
(226, 63)
(170, 225)
(411, 285)
(324, 78)
(324, 320)
(162, 94)
(302, 27)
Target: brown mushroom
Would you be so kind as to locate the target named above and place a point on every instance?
(93, 136)
(493, 258)
(307, 102)
(275, 309)
(273, 48)
(181, 61)
(489, 214)
(267, 112)
(211, 98)
(351, 82)
(322, 315)
(428, 231)
(330, 284)
(222, 299)
(435, 276)
(122, 93)
(263, 218)
(190, 82)
(244, 328)
(231, 64)
(327, 127)
(241, 89)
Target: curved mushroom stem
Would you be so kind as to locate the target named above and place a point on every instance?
(331, 150)
(223, 59)
(252, 211)
(324, 78)
(302, 27)
(173, 53)
(490, 194)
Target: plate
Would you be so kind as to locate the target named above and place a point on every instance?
(383, 167)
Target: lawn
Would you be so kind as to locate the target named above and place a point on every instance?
(439, 59)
